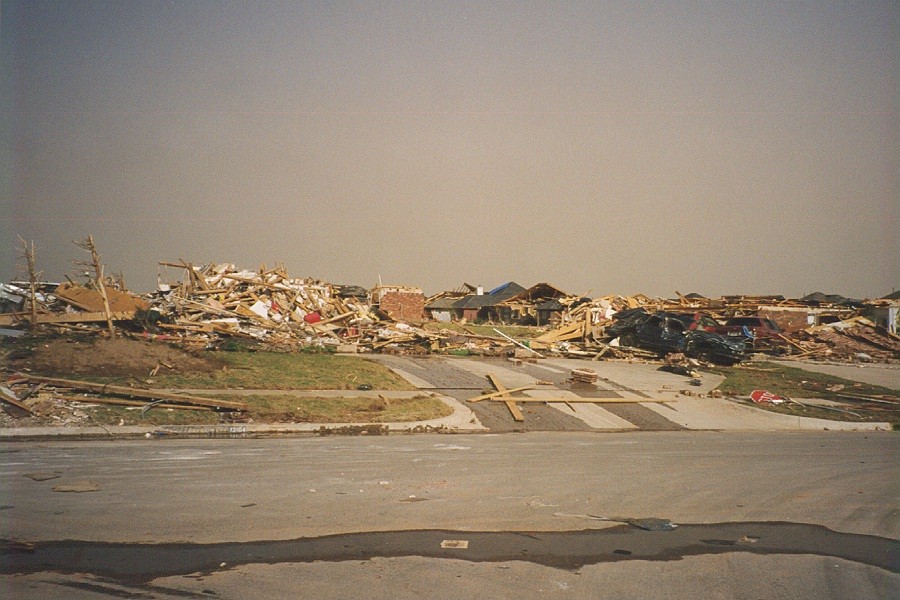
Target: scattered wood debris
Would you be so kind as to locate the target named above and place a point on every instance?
(153, 395)
(506, 396)
(584, 375)
(218, 303)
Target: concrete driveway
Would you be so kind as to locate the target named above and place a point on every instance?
(665, 400)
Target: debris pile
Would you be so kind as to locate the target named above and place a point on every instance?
(64, 402)
(584, 375)
(218, 302)
(68, 305)
(268, 305)
(839, 333)
(856, 339)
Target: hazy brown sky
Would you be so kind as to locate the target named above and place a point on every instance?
(619, 147)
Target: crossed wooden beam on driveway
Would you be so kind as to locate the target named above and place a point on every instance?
(505, 395)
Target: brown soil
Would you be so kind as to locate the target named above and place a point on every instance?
(119, 357)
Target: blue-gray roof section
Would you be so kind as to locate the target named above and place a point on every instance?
(495, 296)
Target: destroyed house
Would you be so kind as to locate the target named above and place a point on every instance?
(553, 311)
(476, 307)
(521, 308)
(885, 312)
(810, 311)
(820, 299)
(441, 309)
(399, 303)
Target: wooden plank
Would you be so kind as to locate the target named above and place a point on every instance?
(792, 343)
(521, 345)
(12, 318)
(75, 303)
(257, 282)
(514, 411)
(92, 300)
(506, 398)
(496, 394)
(606, 349)
(116, 390)
(496, 383)
(84, 317)
(13, 401)
(334, 319)
(565, 332)
(53, 319)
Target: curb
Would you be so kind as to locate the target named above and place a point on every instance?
(463, 420)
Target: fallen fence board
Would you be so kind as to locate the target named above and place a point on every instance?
(116, 390)
(14, 402)
(500, 393)
(123, 402)
(506, 398)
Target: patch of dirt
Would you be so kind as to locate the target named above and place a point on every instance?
(118, 357)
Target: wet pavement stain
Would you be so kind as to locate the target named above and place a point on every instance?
(570, 550)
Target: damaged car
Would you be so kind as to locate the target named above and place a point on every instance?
(665, 332)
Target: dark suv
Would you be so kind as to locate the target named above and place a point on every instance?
(664, 332)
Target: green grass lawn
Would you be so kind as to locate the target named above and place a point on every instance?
(792, 382)
(283, 408)
(279, 371)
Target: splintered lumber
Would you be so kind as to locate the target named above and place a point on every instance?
(56, 319)
(793, 343)
(602, 352)
(563, 333)
(335, 319)
(500, 393)
(123, 402)
(92, 301)
(116, 390)
(584, 375)
(85, 317)
(89, 245)
(521, 345)
(9, 399)
(506, 398)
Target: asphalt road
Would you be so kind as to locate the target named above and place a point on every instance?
(759, 515)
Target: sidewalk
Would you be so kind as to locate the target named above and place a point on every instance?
(463, 420)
